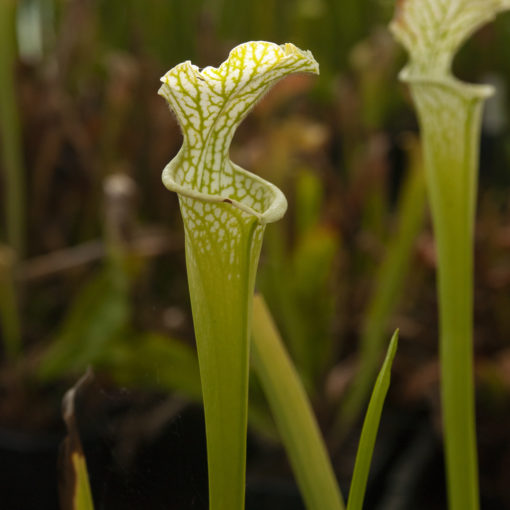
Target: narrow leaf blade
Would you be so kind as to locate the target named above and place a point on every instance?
(293, 414)
(369, 431)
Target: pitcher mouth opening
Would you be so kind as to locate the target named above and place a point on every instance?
(261, 199)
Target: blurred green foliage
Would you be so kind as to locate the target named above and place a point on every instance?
(352, 259)
(297, 280)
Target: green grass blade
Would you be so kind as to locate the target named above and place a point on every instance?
(10, 323)
(293, 414)
(369, 431)
(83, 496)
(10, 132)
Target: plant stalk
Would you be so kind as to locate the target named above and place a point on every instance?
(10, 324)
(451, 152)
(222, 322)
(10, 131)
(449, 112)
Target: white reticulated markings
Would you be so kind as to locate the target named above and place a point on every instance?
(433, 30)
(209, 105)
(225, 209)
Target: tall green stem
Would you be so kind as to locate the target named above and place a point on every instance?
(10, 131)
(221, 289)
(451, 160)
(10, 324)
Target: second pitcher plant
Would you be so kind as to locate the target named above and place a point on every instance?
(449, 111)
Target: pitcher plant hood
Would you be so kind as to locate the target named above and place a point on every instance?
(209, 105)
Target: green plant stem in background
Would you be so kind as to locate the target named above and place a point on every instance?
(388, 287)
(370, 428)
(293, 414)
(451, 157)
(99, 316)
(225, 210)
(10, 132)
(450, 119)
(10, 325)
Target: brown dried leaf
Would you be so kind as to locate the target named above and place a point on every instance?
(74, 484)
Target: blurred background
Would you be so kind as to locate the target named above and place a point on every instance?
(92, 269)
